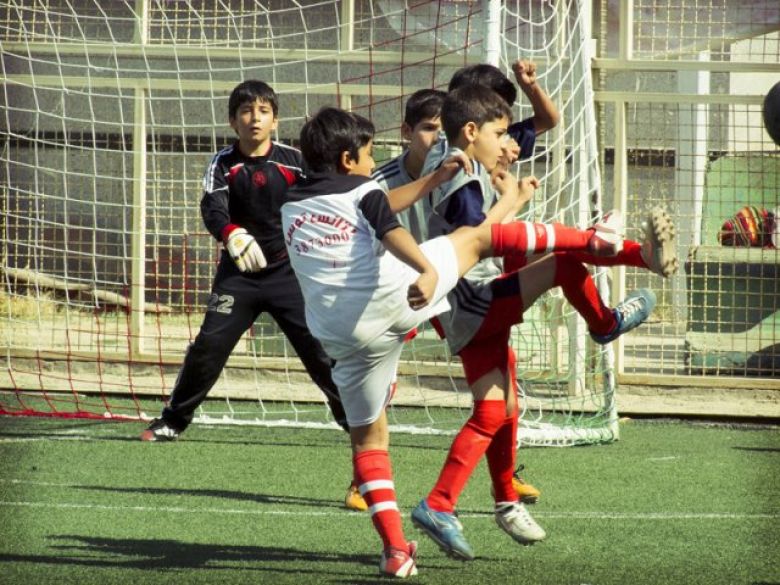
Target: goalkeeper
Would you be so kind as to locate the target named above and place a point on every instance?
(244, 187)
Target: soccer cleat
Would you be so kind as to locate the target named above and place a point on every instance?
(659, 250)
(353, 500)
(160, 430)
(608, 233)
(629, 314)
(514, 519)
(400, 563)
(445, 530)
(526, 493)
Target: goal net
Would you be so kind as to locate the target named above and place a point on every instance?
(110, 113)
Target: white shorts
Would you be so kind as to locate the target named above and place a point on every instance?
(366, 378)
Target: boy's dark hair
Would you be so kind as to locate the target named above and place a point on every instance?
(423, 104)
(472, 103)
(249, 91)
(486, 76)
(330, 132)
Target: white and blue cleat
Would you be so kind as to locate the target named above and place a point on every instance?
(629, 314)
(444, 529)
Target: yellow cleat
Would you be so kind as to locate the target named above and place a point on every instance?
(353, 500)
(527, 493)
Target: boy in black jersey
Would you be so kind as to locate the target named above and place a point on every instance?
(244, 186)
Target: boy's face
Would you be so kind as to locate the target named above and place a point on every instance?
(423, 136)
(488, 140)
(254, 123)
(364, 165)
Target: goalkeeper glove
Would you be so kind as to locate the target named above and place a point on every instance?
(245, 251)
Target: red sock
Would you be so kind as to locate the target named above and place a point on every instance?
(581, 292)
(524, 237)
(629, 256)
(374, 477)
(469, 445)
(501, 451)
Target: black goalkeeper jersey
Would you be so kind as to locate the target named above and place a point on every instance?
(249, 192)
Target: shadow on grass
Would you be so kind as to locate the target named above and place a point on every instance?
(226, 494)
(157, 555)
(333, 438)
(759, 449)
(35, 424)
(161, 556)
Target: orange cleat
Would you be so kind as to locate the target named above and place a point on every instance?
(527, 493)
(353, 500)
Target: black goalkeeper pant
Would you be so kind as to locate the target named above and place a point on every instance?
(235, 303)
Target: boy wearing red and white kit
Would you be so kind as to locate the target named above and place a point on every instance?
(486, 303)
(421, 129)
(367, 284)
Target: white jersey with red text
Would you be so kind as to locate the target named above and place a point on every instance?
(354, 291)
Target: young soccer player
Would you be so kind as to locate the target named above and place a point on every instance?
(485, 305)
(367, 284)
(521, 135)
(243, 189)
(420, 128)
(519, 143)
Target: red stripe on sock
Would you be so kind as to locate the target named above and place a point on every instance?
(513, 238)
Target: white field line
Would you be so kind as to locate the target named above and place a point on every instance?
(344, 514)
(68, 435)
(572, 515)
(39, 439)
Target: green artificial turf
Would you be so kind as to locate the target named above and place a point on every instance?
(86, 502)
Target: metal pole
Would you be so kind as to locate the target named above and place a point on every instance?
(347, 41)
(138, 235)
(491, 39)
(691, 168)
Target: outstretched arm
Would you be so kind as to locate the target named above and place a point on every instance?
(405, 196)
(546, 115)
